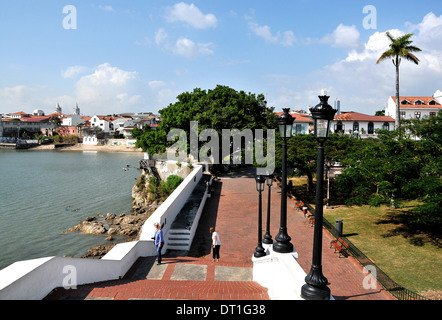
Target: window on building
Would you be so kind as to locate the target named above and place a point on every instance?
(386, 126)
(418, 102)
(356, 126)
(432, 103)
(402, 114)
(432, 114)
(370, 128)
(417, 114)
(405, 102)
(339, 127)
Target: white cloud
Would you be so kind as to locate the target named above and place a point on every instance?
(360, 83)
(106, 8)
(156, 84)
(429, 32)
(375, 46)
(105, 74)
(191, 15)
(160, 36)
(145, 42)
(344, 37)
(73, 71)
(108, 90)
(189, 49)
(287, 38)
(104, 90)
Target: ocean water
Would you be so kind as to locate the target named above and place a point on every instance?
(43, 193)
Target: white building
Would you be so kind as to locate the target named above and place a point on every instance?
(72, 120)
(121, 123)
(92, 140)
(302, 124)
(415, 107)
(361, 124)
(103, 122)
(38, 112)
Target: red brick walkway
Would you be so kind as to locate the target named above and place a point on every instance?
(233, 210)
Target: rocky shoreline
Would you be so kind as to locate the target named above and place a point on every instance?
(121, 226)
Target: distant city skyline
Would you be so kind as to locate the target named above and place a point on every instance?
(115, 56)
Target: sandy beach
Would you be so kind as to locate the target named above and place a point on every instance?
(81, 147)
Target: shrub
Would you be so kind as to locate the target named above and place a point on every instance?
(173, 182)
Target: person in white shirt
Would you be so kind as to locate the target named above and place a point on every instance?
(216, 243)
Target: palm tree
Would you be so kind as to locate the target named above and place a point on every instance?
(399, 47)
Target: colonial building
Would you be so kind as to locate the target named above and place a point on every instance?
(303, 123)
(103, 122)
(355, 123)
(25, 125)
(415, 107)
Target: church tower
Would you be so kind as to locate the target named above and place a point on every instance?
(57, 108)
(76, 110)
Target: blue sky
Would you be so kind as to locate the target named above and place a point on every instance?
(138, 55)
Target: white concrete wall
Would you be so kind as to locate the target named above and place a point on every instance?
(198, 214)
(166, 213)
(35, 279)
(280, 273)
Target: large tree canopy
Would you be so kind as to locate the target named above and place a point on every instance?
(217, 109)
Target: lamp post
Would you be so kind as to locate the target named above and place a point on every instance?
(267, 237)
(316, 284)
(260, 184)
(282, 244)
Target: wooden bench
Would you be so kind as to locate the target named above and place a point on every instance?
(311, 220)
(305, 211)
(340, 246)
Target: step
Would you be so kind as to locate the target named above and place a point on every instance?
(178, 239)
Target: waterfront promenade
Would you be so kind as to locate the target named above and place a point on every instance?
(232, 210)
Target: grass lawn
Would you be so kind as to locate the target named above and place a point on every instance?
(412, 259)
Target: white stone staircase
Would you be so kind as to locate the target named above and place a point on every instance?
(178, 239)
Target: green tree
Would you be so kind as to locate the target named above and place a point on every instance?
(217, 109)
(427, 133)
(378, 170)
(400, 47)
(301, 156)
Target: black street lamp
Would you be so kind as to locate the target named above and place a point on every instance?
(282, 244)
(260, 184)
(267, 237)
(316, 284)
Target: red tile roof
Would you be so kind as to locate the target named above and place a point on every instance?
(412, 100)
(356, 116)
(21, 112)
(35, 119)
(299, 117)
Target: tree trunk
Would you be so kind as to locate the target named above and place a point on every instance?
(398, 110)
(309, 182)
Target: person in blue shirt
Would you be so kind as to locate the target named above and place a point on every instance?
(159, 241)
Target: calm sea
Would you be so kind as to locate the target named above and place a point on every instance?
(43, 193)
